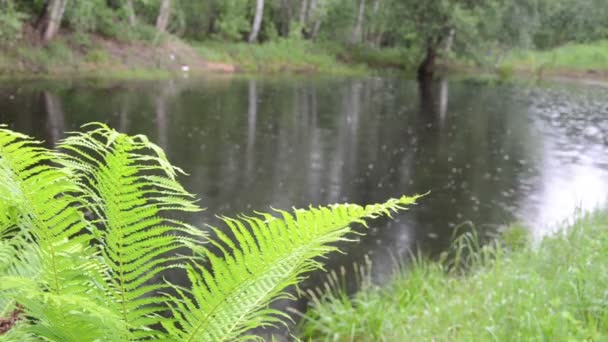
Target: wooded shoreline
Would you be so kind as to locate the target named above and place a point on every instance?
(104, 58)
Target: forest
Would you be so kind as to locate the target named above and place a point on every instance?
(481, 32)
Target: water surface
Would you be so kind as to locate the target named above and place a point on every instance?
(490, 154)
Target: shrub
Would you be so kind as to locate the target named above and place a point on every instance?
(11, 21)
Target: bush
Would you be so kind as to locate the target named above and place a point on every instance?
(11, 22)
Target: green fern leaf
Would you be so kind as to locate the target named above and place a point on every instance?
(130, 186)
(45, 229)
(39, 196)
(266, 255)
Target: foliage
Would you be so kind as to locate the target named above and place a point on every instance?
(554, 291)
(232, 20)
(88, 230)
(10, 22)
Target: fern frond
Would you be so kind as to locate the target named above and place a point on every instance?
(19, 333)
(130, 186)
(38, 195)
(44, 233)
(88, 319)
(266, 255)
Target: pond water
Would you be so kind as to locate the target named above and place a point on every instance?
(490, 154)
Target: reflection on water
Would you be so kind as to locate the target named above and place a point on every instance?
(489, 154)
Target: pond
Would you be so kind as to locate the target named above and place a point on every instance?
(489, 153)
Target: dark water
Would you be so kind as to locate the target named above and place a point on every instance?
(489, 154)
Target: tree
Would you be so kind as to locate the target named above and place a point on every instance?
(430, 23)
(257, 21)
(164, 13)
(50, 20)
(357, 35)
(131, 13)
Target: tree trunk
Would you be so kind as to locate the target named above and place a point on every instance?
(315, 15)
(162, 21)
(50, 21)
(131, 13)
(375, 30)
(304, 12)
(358, 30)
(449, 41)
(426, 69)
(312, 10)
(316, 28)
(257, 21)
(287, 15)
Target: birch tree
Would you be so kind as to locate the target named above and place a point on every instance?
(357, 34)
(131, 13)
(50, 21)
(162, 21)
(257, 21)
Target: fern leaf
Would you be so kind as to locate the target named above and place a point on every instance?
(44, 232)
(266, 255)
(39, 196)
(130, 186)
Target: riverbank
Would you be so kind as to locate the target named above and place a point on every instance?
(555, 291)
(89, 55)
(77, 54)
(304, 56)
(571, 61)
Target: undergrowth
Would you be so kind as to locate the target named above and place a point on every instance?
(591, 56)
(552, 291)
(283, 55)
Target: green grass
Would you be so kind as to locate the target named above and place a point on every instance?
(577, 57)
(293, 55)
(388, 57)
(283, 55)
(553, 291)
(82, 54)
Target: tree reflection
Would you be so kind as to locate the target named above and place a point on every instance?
(55, 117)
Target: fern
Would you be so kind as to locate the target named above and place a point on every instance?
(87, 231)
(43, 211)
(267, 255)
(129, 189)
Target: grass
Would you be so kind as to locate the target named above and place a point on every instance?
(575, 57)
(294, 55)
(282, 55)
(79, 53)
(84, 55)
(554, 291)
(388, 57)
